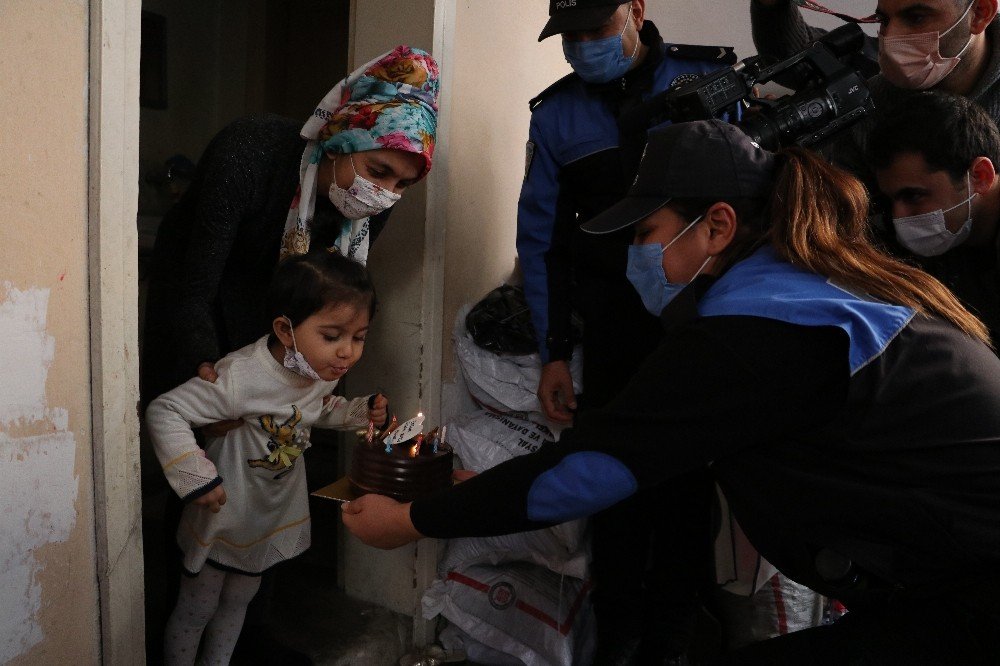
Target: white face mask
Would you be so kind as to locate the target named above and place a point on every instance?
(295, 361)
(362, 199)
(915, 61)
(927, 234)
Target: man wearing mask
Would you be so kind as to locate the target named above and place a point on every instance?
(947, 45)
(580, 161)
(935, 159)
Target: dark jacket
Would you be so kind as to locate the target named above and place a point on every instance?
(971, 274)
(877, 441)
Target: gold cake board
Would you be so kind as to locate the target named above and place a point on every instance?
(338, 491)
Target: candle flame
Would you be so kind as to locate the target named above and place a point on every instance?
(415, 450)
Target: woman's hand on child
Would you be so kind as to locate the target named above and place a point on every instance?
(379, 521)
(212, 500)
(206, 371)
(378, 412)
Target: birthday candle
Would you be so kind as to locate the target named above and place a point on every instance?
(444, 431)
(387, 432)
(370, 434)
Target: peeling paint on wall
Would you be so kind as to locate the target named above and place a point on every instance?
(38, 487)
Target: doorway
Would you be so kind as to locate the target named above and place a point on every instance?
(203, 65)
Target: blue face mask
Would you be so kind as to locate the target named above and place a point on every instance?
(600, 60)
(645, 272)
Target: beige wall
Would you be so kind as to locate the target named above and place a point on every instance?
(394, 355)
(499, 66)
(47, 535)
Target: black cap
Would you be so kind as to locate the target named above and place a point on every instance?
(575, 15)
(706, 159)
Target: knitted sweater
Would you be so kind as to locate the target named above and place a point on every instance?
(217, 248)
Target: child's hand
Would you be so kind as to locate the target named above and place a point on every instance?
(378, 410)
(212, 500)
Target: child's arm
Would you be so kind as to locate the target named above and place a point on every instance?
(170, 419)
(343, 414)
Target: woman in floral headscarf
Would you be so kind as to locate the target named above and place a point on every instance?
(268, 186)
(370, 137)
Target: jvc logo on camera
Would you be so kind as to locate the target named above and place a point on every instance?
(565, 4)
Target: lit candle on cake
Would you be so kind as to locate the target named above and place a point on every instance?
(387, 432)
(415, 449)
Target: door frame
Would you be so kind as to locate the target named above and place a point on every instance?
(113, 173)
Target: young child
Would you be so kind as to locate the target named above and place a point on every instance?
(247, 505)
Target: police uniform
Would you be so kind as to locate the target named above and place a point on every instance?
(858, 443)
(579, 162)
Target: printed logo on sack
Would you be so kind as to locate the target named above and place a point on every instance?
(565, 4)
(502, 596)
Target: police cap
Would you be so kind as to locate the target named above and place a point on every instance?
(576, 15)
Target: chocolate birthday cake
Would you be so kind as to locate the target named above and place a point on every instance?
(405, 471)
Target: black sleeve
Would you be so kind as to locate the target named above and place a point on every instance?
(222, 196)
(713, 387)
(780, 32)
(559, 273)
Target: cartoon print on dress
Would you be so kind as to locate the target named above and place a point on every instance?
(284, 443)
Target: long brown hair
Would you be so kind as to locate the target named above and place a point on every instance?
(818, 221)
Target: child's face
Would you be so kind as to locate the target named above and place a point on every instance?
(332, 339)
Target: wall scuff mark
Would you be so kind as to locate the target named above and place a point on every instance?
(37, 456)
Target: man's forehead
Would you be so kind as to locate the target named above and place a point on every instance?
(890, 7)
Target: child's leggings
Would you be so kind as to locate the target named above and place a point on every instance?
(214, 598)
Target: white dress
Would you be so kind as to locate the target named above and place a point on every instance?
(266, 516)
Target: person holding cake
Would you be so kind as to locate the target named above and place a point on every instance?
(247, 506)
(848, 405)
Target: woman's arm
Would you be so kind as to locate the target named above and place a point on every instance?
(716, 387)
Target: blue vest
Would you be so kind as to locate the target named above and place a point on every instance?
(765, 286)
(761, 286)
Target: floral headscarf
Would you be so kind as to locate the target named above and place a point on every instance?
(390, 102)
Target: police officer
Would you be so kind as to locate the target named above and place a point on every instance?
(580, 160)
(852, 417)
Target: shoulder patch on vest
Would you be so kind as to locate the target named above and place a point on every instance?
(724, 55)
(540, 97)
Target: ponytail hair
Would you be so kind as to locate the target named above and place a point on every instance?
(818, 221)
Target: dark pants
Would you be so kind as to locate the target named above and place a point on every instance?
(651, 560)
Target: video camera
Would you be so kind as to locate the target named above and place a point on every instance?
(830, 94)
